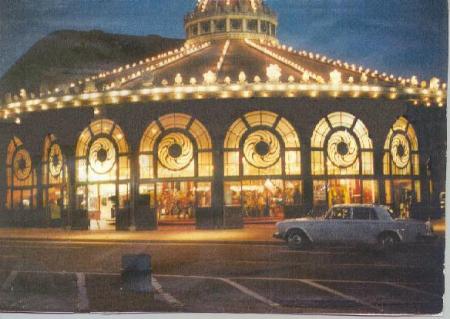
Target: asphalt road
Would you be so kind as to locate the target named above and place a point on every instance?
(236, 278)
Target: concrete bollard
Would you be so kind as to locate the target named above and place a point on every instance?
(136, 273)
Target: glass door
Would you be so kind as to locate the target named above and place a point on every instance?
(102, 206)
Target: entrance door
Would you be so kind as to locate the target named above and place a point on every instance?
(263, 199)
(403, 197)
(176, 202)
(101, 199)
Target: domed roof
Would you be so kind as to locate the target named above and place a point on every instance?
(230, 5)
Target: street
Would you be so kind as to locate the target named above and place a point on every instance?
(58, 276)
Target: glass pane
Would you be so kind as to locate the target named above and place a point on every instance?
(341, 213)
(146, 166)
(17, 199)
(205, 165)
(147, 195)
(175, 200)
(8, 199)
(317, 163)
(26, 199)
(93, 199)
(417, 191)
(81, 198)
(370, 192)
(201, 135)
(232, 193)
(362, 213)
(387, 143)
(83, 142)
(81, 170)
(220, 25)
(416, 169)
(335, 170)
(250, 170)
(367, 163)
(400, 124)
(363, 135)
(386, 164)
(344, 191)
(231, 163)
(124, 167)
(263, 198)
(234, 135)
(236, 24)
(294, 193)
(203, 194)
(252, 25)
(288, 134)
(205, 27)
(388, 192)
(412, 138)
(320, 193)
(176, 120)
(320, 133)
(338, 119)
(293, 163)
(167, 173)
(123, 196)
(150, 135)
(403, 196)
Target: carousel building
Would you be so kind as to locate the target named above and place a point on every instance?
(234, 127)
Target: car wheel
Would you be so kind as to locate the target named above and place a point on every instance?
(297, 240)
(387, 242)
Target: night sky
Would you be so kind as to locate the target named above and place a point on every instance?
(404, 37)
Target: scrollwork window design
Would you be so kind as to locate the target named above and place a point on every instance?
(20, 177)
(175, 151)
(22, 164)
(262, 149)
(102, 155)
(175, 146)
(56, 160)
(341, 145)
(262, 143)
(401, 150)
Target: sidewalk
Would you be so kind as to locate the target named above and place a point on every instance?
(253, 234)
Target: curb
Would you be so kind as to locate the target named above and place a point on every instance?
(142, 241)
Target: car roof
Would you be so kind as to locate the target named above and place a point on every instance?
(357, 205)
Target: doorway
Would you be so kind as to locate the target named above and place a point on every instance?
(102, 206)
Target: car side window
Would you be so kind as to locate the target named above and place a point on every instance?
(341, 213)
(361, 213)
(364, 213)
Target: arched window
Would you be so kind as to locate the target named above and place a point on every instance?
(102, 171)
(401, 166)
(341, 160)
(54, 177)
(262, 165)
(176, 166)
(21, 177)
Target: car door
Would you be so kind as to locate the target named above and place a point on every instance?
(334, 229)
(364, 226)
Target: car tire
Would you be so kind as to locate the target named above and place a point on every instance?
(387, 242)
(297, 240)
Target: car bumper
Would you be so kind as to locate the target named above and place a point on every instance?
(427, 238)
(277, 235)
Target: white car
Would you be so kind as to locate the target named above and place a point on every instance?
(353, 224)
